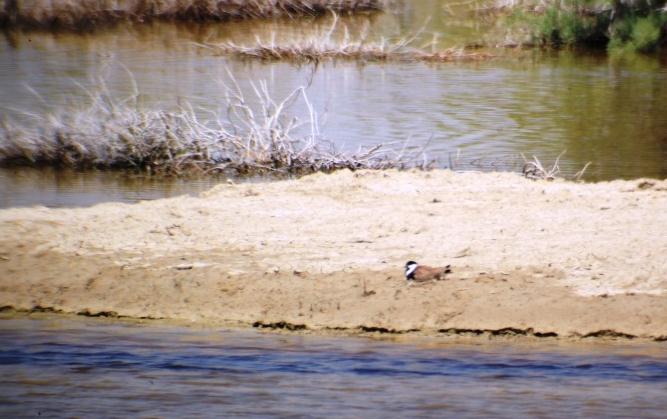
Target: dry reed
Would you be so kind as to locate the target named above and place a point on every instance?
(329, 44)
(87, 14)
(359, 52)
(533, 169)
(111, 133)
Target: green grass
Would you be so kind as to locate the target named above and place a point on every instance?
(568, 25)
(619, 27)
(638, 33)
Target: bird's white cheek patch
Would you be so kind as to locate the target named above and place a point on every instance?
(410, 270)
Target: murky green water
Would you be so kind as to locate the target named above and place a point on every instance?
(21, 187)
(471, 116)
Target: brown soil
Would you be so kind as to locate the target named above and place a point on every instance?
(326, 252)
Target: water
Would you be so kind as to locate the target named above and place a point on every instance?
(21, 187)
(75, 368)
(471, 116)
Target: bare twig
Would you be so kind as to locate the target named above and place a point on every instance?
(534, 169)
(580, 173)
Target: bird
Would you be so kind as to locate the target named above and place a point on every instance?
(422, 273)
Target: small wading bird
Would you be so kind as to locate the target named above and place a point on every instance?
(420, 273)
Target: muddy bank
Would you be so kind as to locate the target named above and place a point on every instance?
(90, 14)
(326, 253)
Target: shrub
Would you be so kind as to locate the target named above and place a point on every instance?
(637, 33)
(637, 26)
(568, 25)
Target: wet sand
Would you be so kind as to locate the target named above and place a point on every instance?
(326, 253)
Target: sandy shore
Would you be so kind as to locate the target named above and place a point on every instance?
(326, 252)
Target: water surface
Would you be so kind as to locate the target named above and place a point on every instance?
(468, 116)
(61, 367)
(24, 187)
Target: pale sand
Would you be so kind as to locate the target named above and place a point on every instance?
(326, 252)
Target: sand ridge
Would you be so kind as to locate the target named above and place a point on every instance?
(326, 252)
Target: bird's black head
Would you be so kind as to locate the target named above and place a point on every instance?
(410, 267)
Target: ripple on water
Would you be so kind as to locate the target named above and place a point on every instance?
(472, 116)
(98, 368)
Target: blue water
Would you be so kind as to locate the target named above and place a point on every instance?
(75, 368)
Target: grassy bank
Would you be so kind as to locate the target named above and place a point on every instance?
(633, 26)
(113, 133)
(89, 14)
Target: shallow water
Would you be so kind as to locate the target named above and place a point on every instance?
(21, 187)
(63, 367)
(469, 116)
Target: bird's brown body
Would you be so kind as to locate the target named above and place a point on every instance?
(427, 273)
(423, 273)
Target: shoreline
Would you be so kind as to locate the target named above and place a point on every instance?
(455, 336)
(325, 253)
(67, 15)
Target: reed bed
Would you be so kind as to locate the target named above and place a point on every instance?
(87, 14)
(314, 53)
(109, 133)
(336, 43)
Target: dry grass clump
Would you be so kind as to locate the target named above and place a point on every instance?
(313, 52)
(118, 134)
(533, 169)
(86, 14)
(330, 44)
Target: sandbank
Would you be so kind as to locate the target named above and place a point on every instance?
(326, 252)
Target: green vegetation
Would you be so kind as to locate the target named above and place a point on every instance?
(639, 33)
(568, 26)
(618, 26)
